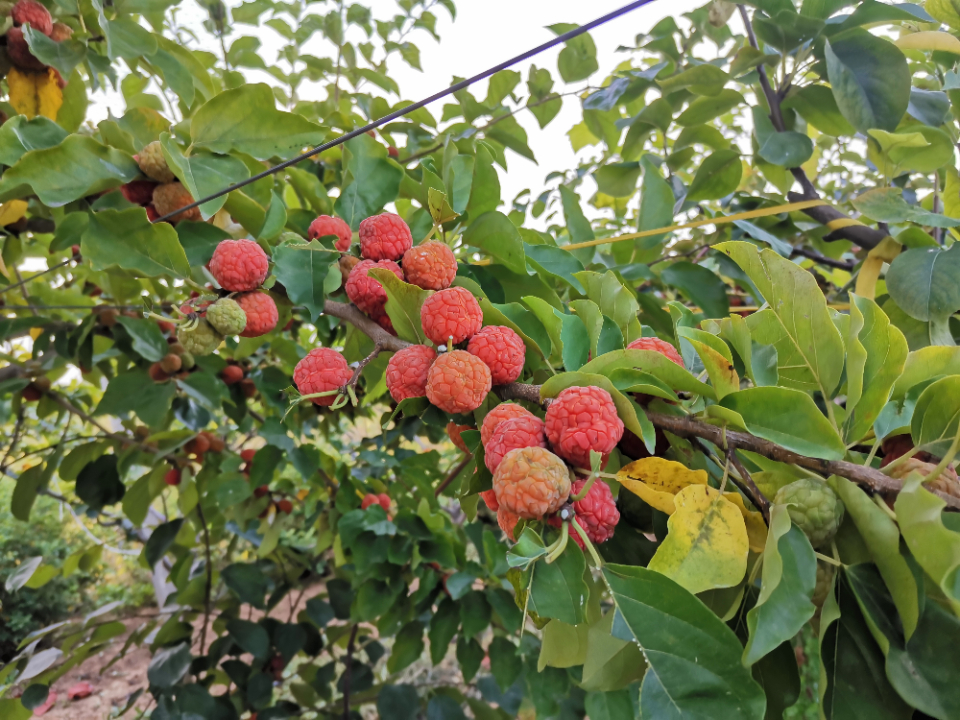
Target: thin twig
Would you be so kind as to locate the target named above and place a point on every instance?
(208, 585)
(457, 469)
(758, 498)
(13, 442)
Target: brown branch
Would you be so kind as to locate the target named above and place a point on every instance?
(847, 265)
(368, 327)
(352, 382)
(451, 476)
(71, 408)
(208, 584)
(758, 498)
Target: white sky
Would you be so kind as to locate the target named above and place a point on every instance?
(484, 33)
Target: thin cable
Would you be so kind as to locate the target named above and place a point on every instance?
(33, 277)
(416, 106)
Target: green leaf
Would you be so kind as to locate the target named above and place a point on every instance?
(817, 105)
(705, 79)
(250, 637)
(249, 582)
(161, 540)
(704, 109)
(693, 657)
(562, 645)
(443, 627)
(936, 416)
(398, 702)
(169, 665)
(370, 181)
(485, 189)
(656, 205)
(788, 580)
(35, 696)
(558, 590)
(246, 119)
(505, 663)
(923, 282)
(618, 179)
(199, 240)
(785, 30)
(876, 353)
(204, 173)
(25, 570)
(615, 301)
(798, 323)
(135, 392)
(578, 59)
(787, 149)
(148, 341)
(475, 613)
(789, 418)
(403, 305)
(927, 364)
(882, 537)
(493, 233)
(302, 269)
(651, 362)
(98, 484)
(609, 705)
(128, 240)
(611, 663)
(19, 135)
(870, 79)
(700, 285)
(554, 261)
(887, 205)
(578, 227)
(76, 168)
(63, 56)
(407, 647)
(718, 175)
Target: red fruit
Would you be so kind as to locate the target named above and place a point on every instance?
(30, 11)
(327, 225)
(508, 522)
(451, 313)
(431, 266)
(166, 327)
(531, 482)
(407, 372)
(490, 498)
(458, 382)
(453, 432)
(31, 393)
(503, 411)
(152, 214)
(42, 710)
(248, 388)
(247, 455)
(895, 446)
(366, 292)
(215, 442)
(384, 500)
(285, 506)
(502, 350)
(384, 321)
(596, 513)
(384, 237)
(239, 265)
(232, 374)
(393, 152)
(172, 476)
(75, 251)
(261, 491)
(139, 192)
(172, 196)
(321, 370)
(19, 51)
(79, 691)
(511, 434)
(657, 345)
(157, 373)
(261, 311)
(581, 419)
(368, 500)
(198, 445)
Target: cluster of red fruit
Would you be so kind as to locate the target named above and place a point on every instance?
(236, 374)
(202, 443)
(161, 193)
(283, 505)
(32, 13)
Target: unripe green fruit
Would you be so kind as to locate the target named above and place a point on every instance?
(186, 361)
(227, 317)
(201, 340)
(825, 573)
(814, 508)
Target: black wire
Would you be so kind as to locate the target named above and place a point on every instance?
(416, 106)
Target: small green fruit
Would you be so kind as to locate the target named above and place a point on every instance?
(814, 508)
(202, 339)
(227, 317)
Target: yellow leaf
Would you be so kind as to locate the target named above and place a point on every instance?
(756, 527)
(36, 332)
(886, 251)
(706, 545)
(656, 481)
(929, 40)
(35, 93)
(12, 211)
(951, 194)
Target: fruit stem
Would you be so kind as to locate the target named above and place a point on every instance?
(887, 469)
(587, 544)
(557, 548)
(585, 489)
(828, 559)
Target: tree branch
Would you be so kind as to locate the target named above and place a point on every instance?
(352, 315)
(457, 469)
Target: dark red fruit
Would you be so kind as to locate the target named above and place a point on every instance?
(172, 477)
(285, 506)
(232, 374)
(261, 491)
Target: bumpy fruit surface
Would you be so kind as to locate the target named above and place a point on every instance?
(453, 432)
(19, 51)
(657, 345)
(431, 266)
(154, 164)
(502, 412)
(531, 482)
(366, 292)
(512, 434)
(946, 482)
(232, 374)
(261, 311)
(61, 32)
(227, 317)
(407, 372)
(502, 350)
(170, 197)
(201, 339)
(596, 513)
(138, 192)
(581, 419)
(814, 508)
(171, 363)
(384, 237)
(384, 321)
(458, 382)
(320, 371)
(328, 225)
(239, 265)
(490, 498)
(821, 590)
(508, 522)
(30, 11)
(451, 313)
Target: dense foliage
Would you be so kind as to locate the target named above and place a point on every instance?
(792, 465)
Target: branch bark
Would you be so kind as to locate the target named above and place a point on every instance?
(352, 315)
